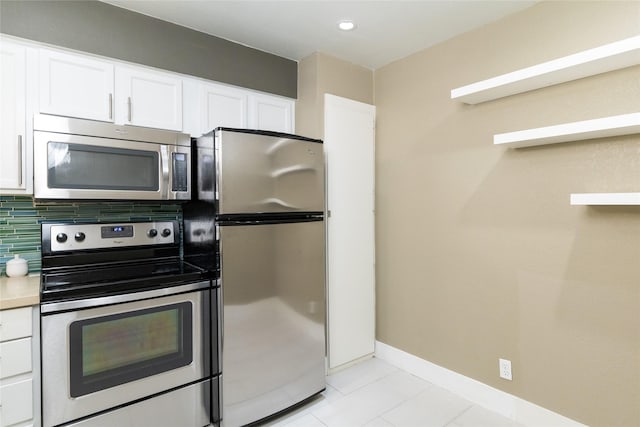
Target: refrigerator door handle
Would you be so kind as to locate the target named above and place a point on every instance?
(218, 283)
(220, 325)
(263, 219)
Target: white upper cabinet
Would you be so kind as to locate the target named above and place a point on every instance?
(73, 84)
(271, 113)
(76, 86)
(223, 106)
(12, 116)
(148, 98)
(15, 161)
(210, 105)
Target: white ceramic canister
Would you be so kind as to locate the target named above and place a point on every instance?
(17, 267)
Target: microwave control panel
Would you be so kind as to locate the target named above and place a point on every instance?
(180, 174)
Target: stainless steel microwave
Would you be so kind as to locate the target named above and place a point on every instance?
(84, 159)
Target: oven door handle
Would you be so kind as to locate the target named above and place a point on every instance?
(54, 307)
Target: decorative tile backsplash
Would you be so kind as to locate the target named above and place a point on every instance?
(20, 219)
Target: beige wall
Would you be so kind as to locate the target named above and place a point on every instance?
(479, 254)
(319, 74)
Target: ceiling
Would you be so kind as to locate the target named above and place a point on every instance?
(387, 30)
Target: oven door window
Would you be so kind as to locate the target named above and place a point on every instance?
(85, 166)
(117, 349)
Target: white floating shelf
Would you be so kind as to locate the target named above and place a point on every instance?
(609, 57)
(624, 124)
(610, 199)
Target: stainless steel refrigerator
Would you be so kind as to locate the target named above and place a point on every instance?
(257, 222)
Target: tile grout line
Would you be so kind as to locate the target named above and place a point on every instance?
(413, 397)
(452, 420)
(429, 386)
(396, 369)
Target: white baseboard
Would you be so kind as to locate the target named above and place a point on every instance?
(513, 407)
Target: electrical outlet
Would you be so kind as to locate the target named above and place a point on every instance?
(505, 369)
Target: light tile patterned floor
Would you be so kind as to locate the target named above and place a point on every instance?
(374, 393)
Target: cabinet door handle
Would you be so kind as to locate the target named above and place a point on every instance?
(129, 105)
(20, 160)
(111, 106)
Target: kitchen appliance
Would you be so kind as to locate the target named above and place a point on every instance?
(84, 159)
(257, 222)
(129, 334)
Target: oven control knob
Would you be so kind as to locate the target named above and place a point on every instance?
(80, 236)
(166, 232)
(61, 237)
(152, 233)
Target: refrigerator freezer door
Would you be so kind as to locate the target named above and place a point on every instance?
(273, 345)
(259, 173)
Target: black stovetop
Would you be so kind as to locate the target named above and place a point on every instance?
(62, 283)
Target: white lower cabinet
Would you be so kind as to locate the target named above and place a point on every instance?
(17, 386)
(16, 401)
(15, 357)
(15, 323)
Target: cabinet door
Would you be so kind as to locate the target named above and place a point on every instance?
(223, 106)
(191, 121)
(271, 113)
(16, 402)
(12, 117)
(148, 98)
(15, 323)
(15, 357)
(76, 86)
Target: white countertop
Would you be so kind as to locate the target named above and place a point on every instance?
(16, 292)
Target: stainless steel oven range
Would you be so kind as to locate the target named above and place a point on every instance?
(128, 335)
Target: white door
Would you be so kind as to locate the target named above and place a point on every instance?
(148, 98)
(76, 86)
(349, 148)
(271, 113)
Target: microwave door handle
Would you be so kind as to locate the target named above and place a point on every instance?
(164, 164)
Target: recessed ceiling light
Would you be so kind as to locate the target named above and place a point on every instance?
(346, 25)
